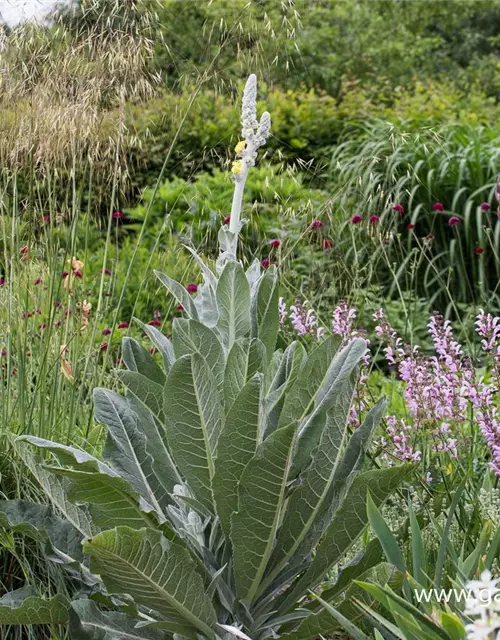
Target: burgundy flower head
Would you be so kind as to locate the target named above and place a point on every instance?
(192, 287)
(103, 346)
(327, 243)
(399, 208)
(479, 250)
(356, 219)
(107, 272)
(485, 206)
(123, 325)
(265, 263)
(64, 274)
(155, 323)
(226, 220)
(438, 206)
(411, 226)
(275, 244)
(118, 215)
(106, 332)
(453, 221)
(374, 219)
(317, 224)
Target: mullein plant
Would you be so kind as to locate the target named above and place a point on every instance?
(225, 466)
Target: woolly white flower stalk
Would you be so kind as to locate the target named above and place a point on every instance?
(483, 605)
(255, 135)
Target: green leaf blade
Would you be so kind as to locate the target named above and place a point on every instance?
(235, 448)
(157, 573)
(194, 419)
(261, 501)
(233, 299)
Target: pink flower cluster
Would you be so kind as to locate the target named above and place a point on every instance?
(304, 322)
(444, 394)
(302, 319)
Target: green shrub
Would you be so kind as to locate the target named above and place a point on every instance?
(196, 209)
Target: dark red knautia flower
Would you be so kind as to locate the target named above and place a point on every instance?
(226, 220)
(438, 206)
(2, 282)
(479, 250)
(275, 244)
(356, 219)
(103, 346)
(118, 215)
(64, 274)
(429, 236)
(192, 287)
(398, 208)
(78, 274)
(38, 281)
(123, 325)
(106, 332)
(155, 323)
(317, 224)
(485, 206)
(411, 226)
(327, 243)
(373, 219)
(453, 221)
(107, 272)
(179, 307)
(46, 219)
(23, 250)
(265, 263)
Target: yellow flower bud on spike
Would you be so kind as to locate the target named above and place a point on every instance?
(237, 167)
(240, 146)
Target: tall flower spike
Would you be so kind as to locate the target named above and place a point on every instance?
(249, 107)
(255, 134)
(264, 130)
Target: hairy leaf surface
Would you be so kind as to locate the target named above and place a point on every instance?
(233, 299)
(157, 573)
(261, 501)
(235, 448)
(194, 418)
